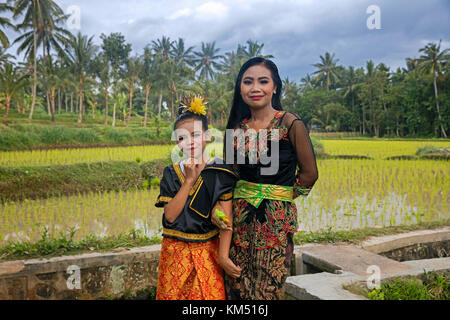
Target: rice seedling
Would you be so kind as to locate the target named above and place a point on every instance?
(377, 149)
(350, 193)
(87, 155)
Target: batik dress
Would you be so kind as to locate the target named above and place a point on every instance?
(188, 265)
(264, 214)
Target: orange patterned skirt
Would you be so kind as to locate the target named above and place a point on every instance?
(190, 271)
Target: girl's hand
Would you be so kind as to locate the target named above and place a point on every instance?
(219, 223)
(193, 170)
(229, 267)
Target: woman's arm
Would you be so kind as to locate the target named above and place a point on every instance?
(308, 173)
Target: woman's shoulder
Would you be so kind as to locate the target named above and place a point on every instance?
(288, 119)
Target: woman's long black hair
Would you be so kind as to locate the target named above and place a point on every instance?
(240, 110)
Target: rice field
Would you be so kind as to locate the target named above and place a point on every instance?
(350, 193)
(374, 149)
(82, 155)
(377, 149)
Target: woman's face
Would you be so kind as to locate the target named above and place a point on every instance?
(257, 87)
(191, 138)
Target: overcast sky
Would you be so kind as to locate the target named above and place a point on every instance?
(296, 32)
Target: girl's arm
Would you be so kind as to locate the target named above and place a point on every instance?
(225, 240)
(175, 206)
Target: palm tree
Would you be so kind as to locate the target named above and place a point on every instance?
(181, 55)
(163, 47)
(254, 49)
(5, 22)
(53, 79)
(4, 57)
(327, 70)
(206, 60)
(432, 62)
(147, 77)
(307, 83)
(102, 69)
(352, 82)
(132, 73)
(11, 82)
(38, 15)
(79, 52)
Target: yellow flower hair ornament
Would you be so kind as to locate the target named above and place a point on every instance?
(194, 103)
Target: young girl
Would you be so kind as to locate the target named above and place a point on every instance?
(192, 259)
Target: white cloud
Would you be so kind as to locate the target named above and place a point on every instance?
(180, 13)
(211, 10)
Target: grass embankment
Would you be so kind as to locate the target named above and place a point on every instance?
(429, 286)
(432, 285)
(64, 243)
(17, 136)
(17, 184)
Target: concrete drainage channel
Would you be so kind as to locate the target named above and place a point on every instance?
(325, 272)
(320, 271)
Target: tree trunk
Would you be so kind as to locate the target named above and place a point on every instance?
(444, 134)
(114, 115)
(48, 104)
(172, 115)
(363, 120)
(65, 101)
(7, 106)
(80, 114)
(159, 103)
(53, 103)
(106, 105)
(71, 102)
(147, 92)
(33, 89)
(131, 106)
(59, 101)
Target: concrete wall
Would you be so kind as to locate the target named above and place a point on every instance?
(120, 272)
(85, 276)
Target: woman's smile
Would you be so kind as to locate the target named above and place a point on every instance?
(257, 87)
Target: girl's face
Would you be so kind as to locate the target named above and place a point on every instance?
(191, 138)
(257, 87)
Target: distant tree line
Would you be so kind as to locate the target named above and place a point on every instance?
(66, 73)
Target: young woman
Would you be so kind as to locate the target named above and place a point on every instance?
(192, 259)
(264, 214)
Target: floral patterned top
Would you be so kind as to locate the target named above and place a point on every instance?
(270, 223)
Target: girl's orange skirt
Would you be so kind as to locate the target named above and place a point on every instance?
(190, 271)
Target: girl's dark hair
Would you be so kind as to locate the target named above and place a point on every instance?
(239, 109)
(182, 116)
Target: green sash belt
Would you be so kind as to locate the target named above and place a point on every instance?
(255, 193)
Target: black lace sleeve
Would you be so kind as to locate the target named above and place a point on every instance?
(307, 173)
